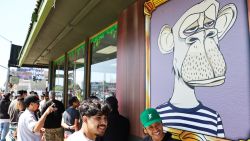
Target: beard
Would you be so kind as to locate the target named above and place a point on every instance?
(101, 130)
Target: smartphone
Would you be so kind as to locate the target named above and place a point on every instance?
(54, 106)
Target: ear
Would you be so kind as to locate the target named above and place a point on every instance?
(166, 40)
(84, 119)
(145, 131)
(225, 20)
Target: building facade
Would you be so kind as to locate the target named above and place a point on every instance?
(170, 55)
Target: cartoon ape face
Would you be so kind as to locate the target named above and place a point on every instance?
(195, 41)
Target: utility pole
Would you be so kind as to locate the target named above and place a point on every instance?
(8, 69)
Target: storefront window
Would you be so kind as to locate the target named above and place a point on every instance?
(59, 78)
(30, 79)
(76, 73)
(103, 65)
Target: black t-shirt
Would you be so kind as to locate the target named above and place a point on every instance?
(53, 120)
(167, 137)
(4, 105)
(118, 128)
(69, 117)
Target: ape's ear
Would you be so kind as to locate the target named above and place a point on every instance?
(166, 40)
(225, 20)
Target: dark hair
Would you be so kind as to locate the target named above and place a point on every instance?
(20, 99)
(45, 94)
(29, 99)
(20, 92)
(92, 107)
(72, 100)
(24, 91)
(34, 93)
(113, 103)
(93, 97)
(6, 95)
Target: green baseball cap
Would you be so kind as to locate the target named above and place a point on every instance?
(149, 116)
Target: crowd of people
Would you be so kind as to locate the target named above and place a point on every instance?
(31, 117)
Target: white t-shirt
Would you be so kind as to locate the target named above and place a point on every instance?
(26, 123)
(42, 103)
(78, 136)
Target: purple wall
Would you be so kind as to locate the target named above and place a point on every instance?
(230, 100)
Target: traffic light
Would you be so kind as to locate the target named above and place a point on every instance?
(34, 78)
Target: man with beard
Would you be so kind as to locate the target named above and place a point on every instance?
(94, 120)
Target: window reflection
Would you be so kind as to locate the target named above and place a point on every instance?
(59, 78)
(103, 65)
(76, 73)
(103, 79)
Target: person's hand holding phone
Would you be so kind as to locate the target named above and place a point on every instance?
(51, 108)
(54, 107)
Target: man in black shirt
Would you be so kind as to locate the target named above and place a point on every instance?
(52, 125)
(153, 127)
(70, 120)
(118, 125)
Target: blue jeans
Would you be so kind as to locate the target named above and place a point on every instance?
(4, 128)
(12, 130)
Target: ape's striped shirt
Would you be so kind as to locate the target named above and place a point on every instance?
(200, 119)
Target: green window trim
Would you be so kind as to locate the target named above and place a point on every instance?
(59, 61)
(80, 50)
(74, 54)
(112, 30)
(71, 55)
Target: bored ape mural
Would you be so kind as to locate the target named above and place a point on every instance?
(197, 62)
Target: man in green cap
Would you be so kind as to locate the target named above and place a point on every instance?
(153, 127)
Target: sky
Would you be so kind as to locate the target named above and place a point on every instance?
(15, 18)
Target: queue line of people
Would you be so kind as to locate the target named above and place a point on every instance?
(34, 119)
(27, 118)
